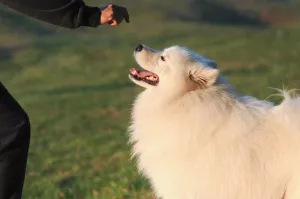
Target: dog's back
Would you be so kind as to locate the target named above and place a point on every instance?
(251, 153)
(288, 115)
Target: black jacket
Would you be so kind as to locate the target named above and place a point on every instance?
(64, 13)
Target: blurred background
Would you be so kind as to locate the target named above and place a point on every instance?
(74, 84)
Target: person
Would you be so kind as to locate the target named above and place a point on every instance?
(14, 122)
(70, 13)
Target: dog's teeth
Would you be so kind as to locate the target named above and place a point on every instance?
(151, 78)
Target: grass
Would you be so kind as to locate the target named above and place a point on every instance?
(74, 86)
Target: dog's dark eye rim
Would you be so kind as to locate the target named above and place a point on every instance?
(162, 58)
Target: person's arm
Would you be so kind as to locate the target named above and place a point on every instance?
(68, 13)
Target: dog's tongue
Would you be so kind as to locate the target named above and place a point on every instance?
(141, 73)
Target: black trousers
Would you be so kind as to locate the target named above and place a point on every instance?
(14, 145)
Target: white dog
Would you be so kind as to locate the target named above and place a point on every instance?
(195, 137)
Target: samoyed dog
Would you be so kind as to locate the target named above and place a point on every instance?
(196, 137)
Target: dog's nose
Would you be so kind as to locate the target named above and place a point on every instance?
(139, 48)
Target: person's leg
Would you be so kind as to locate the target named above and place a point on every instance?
(14, 145)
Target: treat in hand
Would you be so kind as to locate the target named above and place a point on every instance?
(113, 15)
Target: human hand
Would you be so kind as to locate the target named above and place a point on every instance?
(113, 15)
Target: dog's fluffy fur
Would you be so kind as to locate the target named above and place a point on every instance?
(195, 137)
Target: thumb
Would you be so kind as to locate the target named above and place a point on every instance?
(110, 5)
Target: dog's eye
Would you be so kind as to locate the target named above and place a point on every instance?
(162, 58)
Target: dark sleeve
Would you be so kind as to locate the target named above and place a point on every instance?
(64, 13)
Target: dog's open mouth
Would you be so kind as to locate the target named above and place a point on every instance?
(145, 76)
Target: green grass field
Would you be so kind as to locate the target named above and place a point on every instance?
(74, 86)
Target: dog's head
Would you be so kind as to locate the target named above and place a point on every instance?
(176, 68)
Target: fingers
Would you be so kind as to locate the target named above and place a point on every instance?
(113, 23)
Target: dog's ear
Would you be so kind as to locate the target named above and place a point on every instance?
(204, 76)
